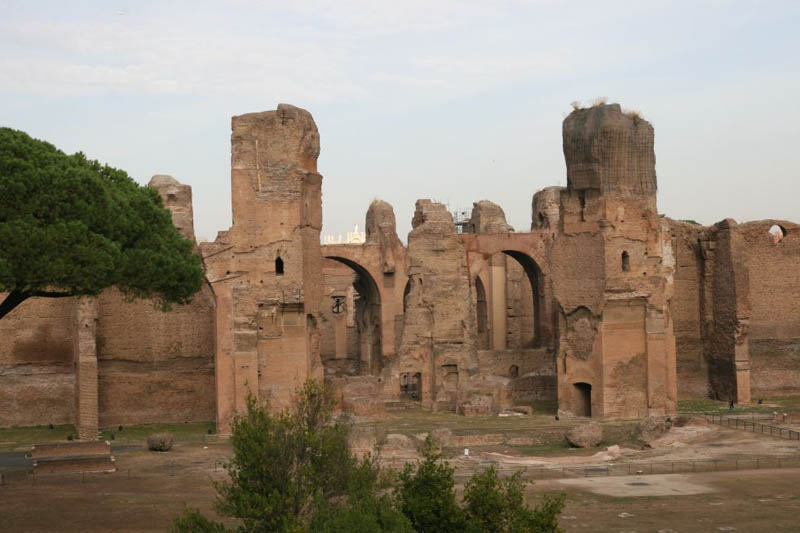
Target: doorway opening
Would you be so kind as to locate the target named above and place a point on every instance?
(582, 399)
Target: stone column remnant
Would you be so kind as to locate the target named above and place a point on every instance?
(85, 350)
(176, 197)
(437, 328)
(267, 270)
(609, 151)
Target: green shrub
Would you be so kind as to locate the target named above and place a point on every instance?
(427, 495)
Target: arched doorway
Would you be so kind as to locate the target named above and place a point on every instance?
(365, 351)
(582, 399)
(482, 314)
(511, 294)
(533, 273)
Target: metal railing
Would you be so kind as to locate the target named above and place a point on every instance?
(753, 426)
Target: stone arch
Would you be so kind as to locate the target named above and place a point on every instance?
(530, 250)
(536, 278)
(481, 312)
(369, 316)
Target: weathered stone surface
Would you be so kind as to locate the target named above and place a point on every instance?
(609, 151)
(604, 305)
(546, 208)
(177, 197)
(585, 435)
(268, 281)
(488, 217)
(437, 341)
(651, 428)
(159, 442)
(381, 229)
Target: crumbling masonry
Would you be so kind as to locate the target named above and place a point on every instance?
(604, 306)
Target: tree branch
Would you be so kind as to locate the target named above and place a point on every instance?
(51, 294)
(14, 298)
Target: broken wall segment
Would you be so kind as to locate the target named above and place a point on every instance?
(177, 198)
(617, 349)
(437, 341)
(609, 151)
(267, 269)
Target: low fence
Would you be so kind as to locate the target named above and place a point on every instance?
(753, 426)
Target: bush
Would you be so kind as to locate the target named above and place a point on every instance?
(159, 442)
(498, 506)
(427, 497)
(192, 521)
(293, 471)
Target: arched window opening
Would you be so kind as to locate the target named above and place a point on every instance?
(777, 233)
(279, 266)
(513, 372)
(626, 262)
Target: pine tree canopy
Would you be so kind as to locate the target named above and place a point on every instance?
(70, 226)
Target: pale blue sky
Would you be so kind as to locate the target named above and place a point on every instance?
(456, 101)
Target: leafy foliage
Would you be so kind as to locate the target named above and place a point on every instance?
(192, 520)
(493, 505)
(293, 470)
(70, 226)
(427, 496)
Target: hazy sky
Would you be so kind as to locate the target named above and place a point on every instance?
(456, 101)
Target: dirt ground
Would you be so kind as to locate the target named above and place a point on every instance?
(150, 489)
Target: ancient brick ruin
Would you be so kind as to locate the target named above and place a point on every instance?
(603, 305)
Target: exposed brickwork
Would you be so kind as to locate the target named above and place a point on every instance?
(85, 338)
(603, 306)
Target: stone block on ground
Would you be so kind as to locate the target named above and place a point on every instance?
(651, 428)
(586, 435)
(159, 442)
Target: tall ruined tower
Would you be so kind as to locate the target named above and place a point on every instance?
(267, 269)
(616, 345)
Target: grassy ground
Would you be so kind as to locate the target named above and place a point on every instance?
(23, 437)
(13, 438)
(785, 404)
(191, 432)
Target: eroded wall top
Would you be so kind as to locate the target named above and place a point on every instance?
(610, 151)
(177, 197)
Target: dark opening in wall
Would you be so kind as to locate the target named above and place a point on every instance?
(279, 267)
(411, 386)
(626, 262)
(582, 399)
(513, 372)
(777, 233)
(582, 197)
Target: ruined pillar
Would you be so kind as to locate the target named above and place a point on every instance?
(437, 338)
(177, 198)
(381, 230)
(727, 346)
(622, 257)
(497, 299)
(85, 350)
(267, 270)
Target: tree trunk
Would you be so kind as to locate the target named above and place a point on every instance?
(13, 299)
